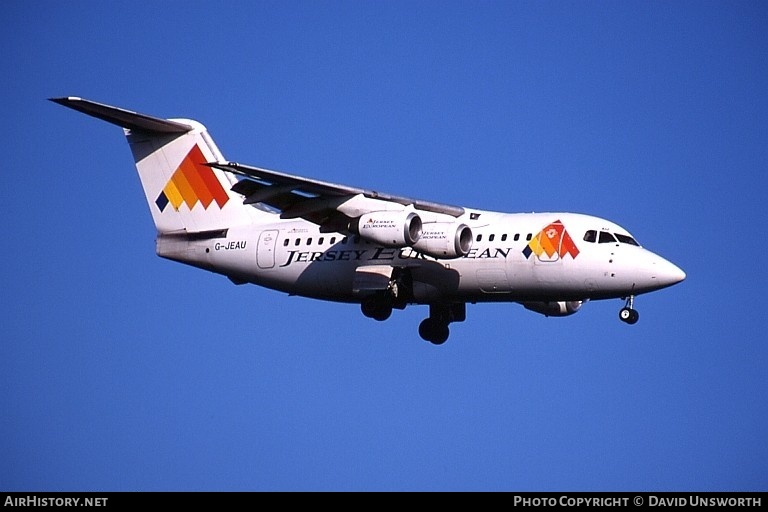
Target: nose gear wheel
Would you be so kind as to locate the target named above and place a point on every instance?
(628, 314)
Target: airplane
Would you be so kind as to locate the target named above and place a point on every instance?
(339, 243)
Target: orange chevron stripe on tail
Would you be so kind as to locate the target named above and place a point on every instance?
(191, 182)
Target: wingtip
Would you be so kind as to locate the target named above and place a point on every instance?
(63, 100)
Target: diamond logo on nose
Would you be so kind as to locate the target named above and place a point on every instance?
(551, 243)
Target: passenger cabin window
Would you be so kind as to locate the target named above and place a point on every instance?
(479, 237)
(320, 240)
(626, 239)
(298, 241)
(491, 237)
(590, 236)
(528, 237)
(285, 242)
(606, 238)
(517, 237)
(333, 240)
(504, 237)
(309, 241)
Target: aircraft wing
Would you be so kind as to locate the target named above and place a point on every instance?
(317, 201)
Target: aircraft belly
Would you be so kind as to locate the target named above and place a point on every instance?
(433, 280)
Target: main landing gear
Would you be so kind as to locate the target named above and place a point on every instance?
(628, 314)
(435, 328)
(399, 292)
(379, 306)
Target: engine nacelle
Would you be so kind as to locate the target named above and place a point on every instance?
(554, 308)
(389, 228)
(445, 240)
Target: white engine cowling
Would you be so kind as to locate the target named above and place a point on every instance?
(554, 308)
(389, 228)
(445, 240)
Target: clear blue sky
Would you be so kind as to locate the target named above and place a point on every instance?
(123, 371)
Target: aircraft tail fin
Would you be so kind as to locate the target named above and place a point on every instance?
(183, 193)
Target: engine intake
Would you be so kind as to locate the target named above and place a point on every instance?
(389, 228)
(445, 240)
(554, 308)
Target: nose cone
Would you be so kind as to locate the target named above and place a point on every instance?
(666, 273)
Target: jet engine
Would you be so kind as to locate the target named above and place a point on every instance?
(389, 228)
(445, 240)
(554, 308)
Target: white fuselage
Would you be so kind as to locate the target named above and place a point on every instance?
(295, 257)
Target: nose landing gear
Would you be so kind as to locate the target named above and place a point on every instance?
(628, 314)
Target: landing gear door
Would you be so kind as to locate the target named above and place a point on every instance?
(265, 250)
(371, 278)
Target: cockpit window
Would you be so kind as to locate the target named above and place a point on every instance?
(590, 236)
(606, 238)
(626, 239)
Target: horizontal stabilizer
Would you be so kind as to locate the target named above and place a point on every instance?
(121, 117)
